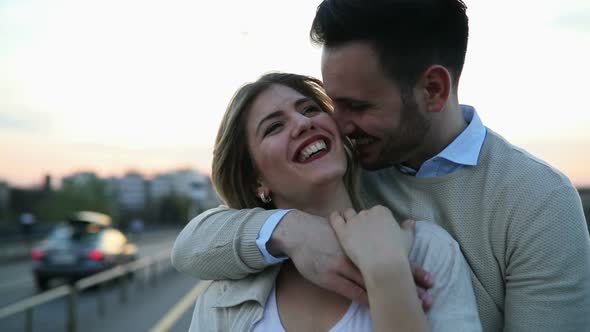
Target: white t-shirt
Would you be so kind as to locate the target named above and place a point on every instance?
(356, 318)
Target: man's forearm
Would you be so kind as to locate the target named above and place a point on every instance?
(276, 243)
(220, 244)
(292, 231)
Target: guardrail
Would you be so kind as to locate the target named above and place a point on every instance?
(151, 266)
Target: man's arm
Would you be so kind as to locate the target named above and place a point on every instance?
(548, 265)
(312, 245)
(220, 243)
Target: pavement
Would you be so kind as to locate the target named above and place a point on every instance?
(13, 251)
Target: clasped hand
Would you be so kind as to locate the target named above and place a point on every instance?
(372, 239)
(334, 255)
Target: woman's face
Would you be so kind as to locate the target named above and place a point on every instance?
(295, 145)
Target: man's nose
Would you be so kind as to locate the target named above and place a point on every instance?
(344, 122)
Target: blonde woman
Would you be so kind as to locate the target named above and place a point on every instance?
(278, 147)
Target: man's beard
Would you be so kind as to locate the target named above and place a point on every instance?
(403, 142)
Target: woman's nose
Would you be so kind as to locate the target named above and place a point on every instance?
(302, 124)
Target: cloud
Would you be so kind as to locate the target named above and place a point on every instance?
(578, 20)
(20, 119)
(163, 152)
(18, 123)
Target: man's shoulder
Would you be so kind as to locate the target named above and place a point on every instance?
(516, 166)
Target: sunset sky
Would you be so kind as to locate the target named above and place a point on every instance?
(117, 85)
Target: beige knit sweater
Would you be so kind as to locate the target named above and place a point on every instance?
(519, 223)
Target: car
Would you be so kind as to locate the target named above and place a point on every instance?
(85, 244)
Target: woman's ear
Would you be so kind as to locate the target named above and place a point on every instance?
(262, 192)
(260, 187)
(436, 85)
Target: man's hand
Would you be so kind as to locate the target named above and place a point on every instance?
(312, 245)
(422, 278)
(423, 282)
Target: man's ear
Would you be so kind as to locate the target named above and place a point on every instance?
(436, 85)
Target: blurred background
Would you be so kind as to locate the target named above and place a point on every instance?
(113, 106)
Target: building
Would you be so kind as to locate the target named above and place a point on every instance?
(79, 179)
(131, 192)
(111, 185)
(187, 183)
(137, 197)
(161, 185)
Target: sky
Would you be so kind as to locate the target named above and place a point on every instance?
(117, 85)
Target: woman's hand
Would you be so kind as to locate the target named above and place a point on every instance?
(372, 238)
(375, 243)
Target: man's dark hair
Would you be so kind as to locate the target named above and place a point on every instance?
(408, 35)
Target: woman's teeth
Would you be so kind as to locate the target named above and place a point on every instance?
(314, 147)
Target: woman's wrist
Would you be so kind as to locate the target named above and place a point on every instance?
(382, 273)
(393, 298)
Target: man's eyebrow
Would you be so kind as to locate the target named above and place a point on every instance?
(348, 100)
(279, 113)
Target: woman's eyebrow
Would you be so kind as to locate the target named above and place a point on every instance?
(270, 116)
(300, 101)
(279, 113)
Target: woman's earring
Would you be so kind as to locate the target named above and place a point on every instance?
(265, 199)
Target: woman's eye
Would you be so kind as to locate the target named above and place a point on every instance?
(272, 128)
(311, 110)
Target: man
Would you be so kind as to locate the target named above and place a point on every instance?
(392, 69)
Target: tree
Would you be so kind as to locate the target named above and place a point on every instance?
(92, 195)
(173, 208)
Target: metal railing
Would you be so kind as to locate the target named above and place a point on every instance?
(151, 266)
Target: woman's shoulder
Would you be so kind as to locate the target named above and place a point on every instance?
(454, 307)
(433, 244)
(430, 231)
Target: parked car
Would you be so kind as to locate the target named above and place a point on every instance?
(85, 244)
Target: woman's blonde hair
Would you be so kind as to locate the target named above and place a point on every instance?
(234, 173)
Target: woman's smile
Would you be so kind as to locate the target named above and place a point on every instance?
(312, 148)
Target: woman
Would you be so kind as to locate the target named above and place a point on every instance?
(278, 147)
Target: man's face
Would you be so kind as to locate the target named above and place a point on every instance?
(387, 127)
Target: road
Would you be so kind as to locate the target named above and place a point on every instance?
(147, 303)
